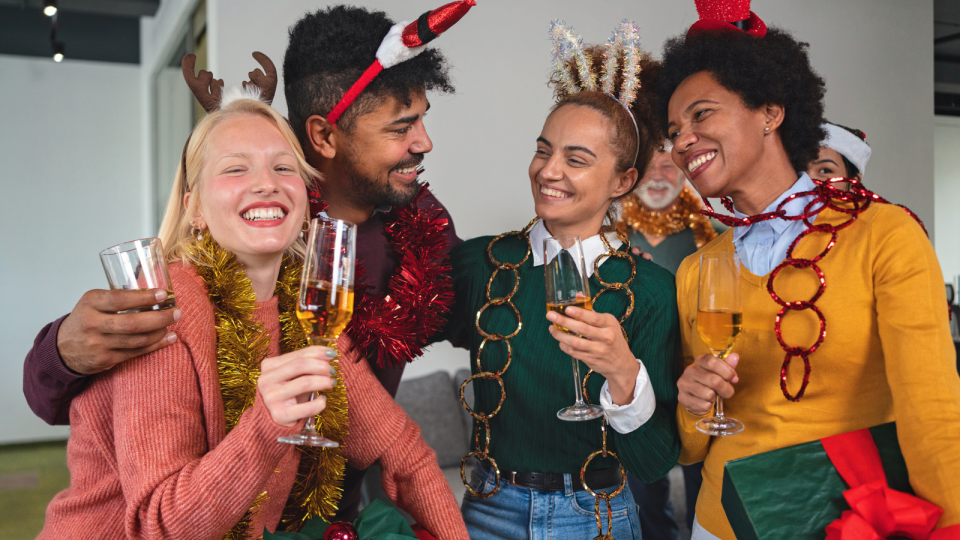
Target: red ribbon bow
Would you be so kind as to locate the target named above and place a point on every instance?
(877, 512)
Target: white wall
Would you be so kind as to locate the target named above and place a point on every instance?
(876, 56)
(69, 146)
(947, 174)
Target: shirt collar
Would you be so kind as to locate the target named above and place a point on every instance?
(794, 207)
(593, 247)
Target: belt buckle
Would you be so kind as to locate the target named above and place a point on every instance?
(511, 478)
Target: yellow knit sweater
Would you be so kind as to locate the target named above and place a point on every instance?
(888, 356)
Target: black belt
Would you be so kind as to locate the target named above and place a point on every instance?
(596, 479)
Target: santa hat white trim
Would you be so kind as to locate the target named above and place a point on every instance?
(847, 145)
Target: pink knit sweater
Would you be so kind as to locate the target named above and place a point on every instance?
(149, 456)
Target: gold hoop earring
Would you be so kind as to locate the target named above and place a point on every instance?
(198, 233)
(305, 228)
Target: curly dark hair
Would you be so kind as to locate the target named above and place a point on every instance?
(330, 49)
(774, 69)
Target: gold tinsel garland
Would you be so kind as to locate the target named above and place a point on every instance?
(241, 346)
(684, 214)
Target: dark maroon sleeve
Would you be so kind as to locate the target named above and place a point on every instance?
(48, 384)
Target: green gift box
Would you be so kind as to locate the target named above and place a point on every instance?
(377, 521)
(795, 492)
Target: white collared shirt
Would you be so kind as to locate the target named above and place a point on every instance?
(623, 418)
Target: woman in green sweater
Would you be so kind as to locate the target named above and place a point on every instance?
(527, 483)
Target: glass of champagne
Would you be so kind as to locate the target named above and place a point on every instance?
(719, 321)
(325, 305)
(567, 286)
(138, 265)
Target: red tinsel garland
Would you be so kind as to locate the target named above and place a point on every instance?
(395, 327)
(826, 196)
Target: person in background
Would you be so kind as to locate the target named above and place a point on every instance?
(369, 160)
(662, 216)
(744, 109)
(844, 153)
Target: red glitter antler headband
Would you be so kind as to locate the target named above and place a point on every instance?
(727, 15)
(404, 41)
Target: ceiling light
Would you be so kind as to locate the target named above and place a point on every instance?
(50, 8)
(58, 52)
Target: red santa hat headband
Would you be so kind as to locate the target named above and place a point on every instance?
(727, 15)
(404, 41)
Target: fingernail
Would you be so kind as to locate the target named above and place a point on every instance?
(331, 354)
(332, 371)
(551, 316)
(736, 379)
(171, 337)
(161, 295)
(571, 311)
(177, 314)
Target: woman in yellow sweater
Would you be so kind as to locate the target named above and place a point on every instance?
(743, 108)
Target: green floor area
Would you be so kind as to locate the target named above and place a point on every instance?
(30, 475)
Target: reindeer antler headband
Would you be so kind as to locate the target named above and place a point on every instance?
(404, 41)
(262, 86)
(623, 45)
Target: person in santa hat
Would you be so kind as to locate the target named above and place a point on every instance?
(743, 108)
(843, 153)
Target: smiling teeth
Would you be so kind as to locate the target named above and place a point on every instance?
(264, 214)
(700, 161)
(553, 193)
(406, 170)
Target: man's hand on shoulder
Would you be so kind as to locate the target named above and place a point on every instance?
(96, 336)
(639, 252)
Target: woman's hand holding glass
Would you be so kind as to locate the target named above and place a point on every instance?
(287, 382)
(598, 342)
(705, 379)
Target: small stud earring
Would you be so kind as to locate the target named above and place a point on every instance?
(766, 129)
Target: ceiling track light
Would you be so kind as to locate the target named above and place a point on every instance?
(58, 51)
(50, 8)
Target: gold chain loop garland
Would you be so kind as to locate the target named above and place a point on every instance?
(483, 419)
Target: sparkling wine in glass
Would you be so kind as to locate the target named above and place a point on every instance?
(567, 286)
(325, 305)
(719, 322)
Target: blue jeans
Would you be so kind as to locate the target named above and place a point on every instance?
(517, 513)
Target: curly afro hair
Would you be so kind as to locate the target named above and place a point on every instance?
(331, 48)
(774, 69)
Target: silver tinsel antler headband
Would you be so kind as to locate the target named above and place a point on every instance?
(623, 46)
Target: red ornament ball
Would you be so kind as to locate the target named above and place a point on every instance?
(340, 530)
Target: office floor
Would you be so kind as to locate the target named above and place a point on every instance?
(30, 475)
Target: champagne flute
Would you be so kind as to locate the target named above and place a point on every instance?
(719, 321)
(325, 305)
(566, 284)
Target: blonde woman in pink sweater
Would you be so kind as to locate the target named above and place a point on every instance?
(150, 453)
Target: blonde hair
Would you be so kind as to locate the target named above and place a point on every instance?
(175, 230)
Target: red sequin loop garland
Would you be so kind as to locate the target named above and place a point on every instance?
(826, 196)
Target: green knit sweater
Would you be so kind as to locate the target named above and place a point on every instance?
(526, 435)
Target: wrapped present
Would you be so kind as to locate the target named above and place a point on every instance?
(377, 521)
(851, 486)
